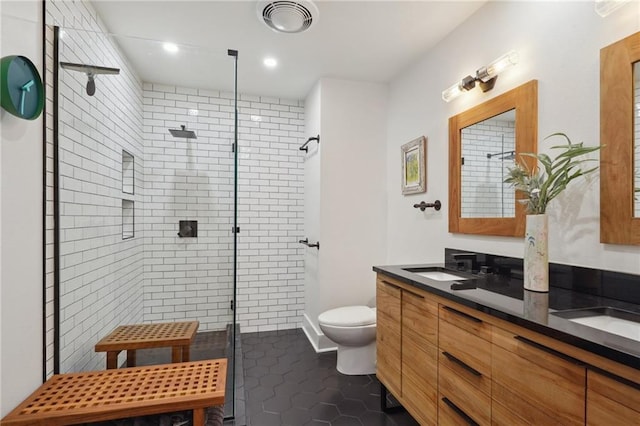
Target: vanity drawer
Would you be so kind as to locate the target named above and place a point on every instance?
(610, 401)
(420, 363)
(420, 398)
(536, 382)
(419, 318)
(466, 354)
(468, 321)
(388, 352)
(459, 398)
(388, 299)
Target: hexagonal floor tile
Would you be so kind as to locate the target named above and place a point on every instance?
(326, 412)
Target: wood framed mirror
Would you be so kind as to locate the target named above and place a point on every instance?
(620, 132)
(483, 141)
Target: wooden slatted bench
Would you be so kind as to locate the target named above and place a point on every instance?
(128, 392)
(178, 335)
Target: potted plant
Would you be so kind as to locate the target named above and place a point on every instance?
(540, 185)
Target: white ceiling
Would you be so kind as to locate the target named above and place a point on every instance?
(359, 40)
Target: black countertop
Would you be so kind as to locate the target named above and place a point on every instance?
(504, 297)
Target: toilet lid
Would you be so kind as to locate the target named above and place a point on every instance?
(348, 316)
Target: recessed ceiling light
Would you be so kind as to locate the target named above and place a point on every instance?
(170, 47)
(270, 62)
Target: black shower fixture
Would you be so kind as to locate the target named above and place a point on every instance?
(91, 71)
(182, 132)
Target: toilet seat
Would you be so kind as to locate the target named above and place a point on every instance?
(348, 316)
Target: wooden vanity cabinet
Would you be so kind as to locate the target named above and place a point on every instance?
(407, 336)
(534, 384)
(449, 364)
(611, 401)
(464, 373)
(420, 356)
(388, 336)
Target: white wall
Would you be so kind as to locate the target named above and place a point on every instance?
(352, 194)
(312, 187)
(559, 44)
(21, 221)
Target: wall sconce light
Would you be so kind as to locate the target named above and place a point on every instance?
(485, 76)
(606, 7)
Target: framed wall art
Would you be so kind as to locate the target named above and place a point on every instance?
(414, 166)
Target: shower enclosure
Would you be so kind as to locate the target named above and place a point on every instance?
(143, 194)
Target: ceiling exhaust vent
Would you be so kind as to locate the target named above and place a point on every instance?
(286, 16)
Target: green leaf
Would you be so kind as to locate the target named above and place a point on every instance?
(555, 174)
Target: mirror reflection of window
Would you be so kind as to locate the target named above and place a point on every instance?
(488, 149)
(636, 138)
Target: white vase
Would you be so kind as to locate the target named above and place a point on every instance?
(536, 306)
(536, 253)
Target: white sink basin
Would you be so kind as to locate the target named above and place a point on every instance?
(607, 319)
(619, 326)
(440, 276)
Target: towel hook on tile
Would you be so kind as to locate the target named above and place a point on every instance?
(304, 146)
(437, 205)
(308, 244)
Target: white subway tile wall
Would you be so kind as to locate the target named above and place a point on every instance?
(157, 276)
(101, 275)
(49, 208)
(192, 179)
(483, 192)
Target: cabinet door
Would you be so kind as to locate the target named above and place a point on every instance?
(388, 329)
(611, 402)
(534, 383)
(420, 356)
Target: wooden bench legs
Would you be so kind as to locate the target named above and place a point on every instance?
(198, 416)
(178, 354)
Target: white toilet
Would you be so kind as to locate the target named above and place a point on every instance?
(353, 328)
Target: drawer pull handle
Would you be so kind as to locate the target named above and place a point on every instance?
(462, 314)
(462, 364)
(459, 412)
(389, 284)
(413, 294)
(548, 350)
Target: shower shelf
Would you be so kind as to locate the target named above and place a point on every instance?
(128, 190)
(128, 167)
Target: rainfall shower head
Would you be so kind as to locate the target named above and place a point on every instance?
(91, 71)
(182, 132)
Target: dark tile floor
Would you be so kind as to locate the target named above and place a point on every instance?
(288, 384)
(280, 381)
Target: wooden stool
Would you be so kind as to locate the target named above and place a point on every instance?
(178, 335)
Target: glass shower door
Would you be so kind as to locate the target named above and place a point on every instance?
(146, 195)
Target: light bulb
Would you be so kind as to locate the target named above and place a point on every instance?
(606, 7)
(496, 67)
(452, 92)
